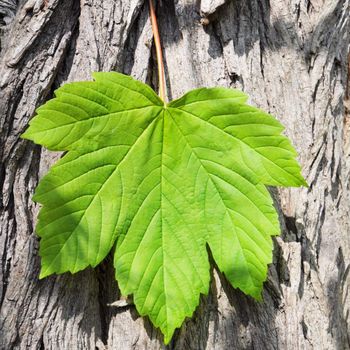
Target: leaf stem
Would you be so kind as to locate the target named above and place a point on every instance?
(158, 51)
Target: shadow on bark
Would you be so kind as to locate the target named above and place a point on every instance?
(338, 294)
(243, 23)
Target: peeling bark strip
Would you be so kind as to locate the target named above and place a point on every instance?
(291, 58)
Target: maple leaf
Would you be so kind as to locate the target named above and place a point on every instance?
(160, 182)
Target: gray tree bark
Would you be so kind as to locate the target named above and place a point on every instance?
(291, 57)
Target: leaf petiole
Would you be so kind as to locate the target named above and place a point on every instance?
(158, 51)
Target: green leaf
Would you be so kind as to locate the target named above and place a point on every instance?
(161, 183)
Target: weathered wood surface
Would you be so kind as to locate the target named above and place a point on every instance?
(291, 57)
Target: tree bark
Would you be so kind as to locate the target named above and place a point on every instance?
(292, 58)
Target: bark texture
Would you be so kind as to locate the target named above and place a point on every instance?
(291, 57)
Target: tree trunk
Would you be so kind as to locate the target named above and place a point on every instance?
(292, 58)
